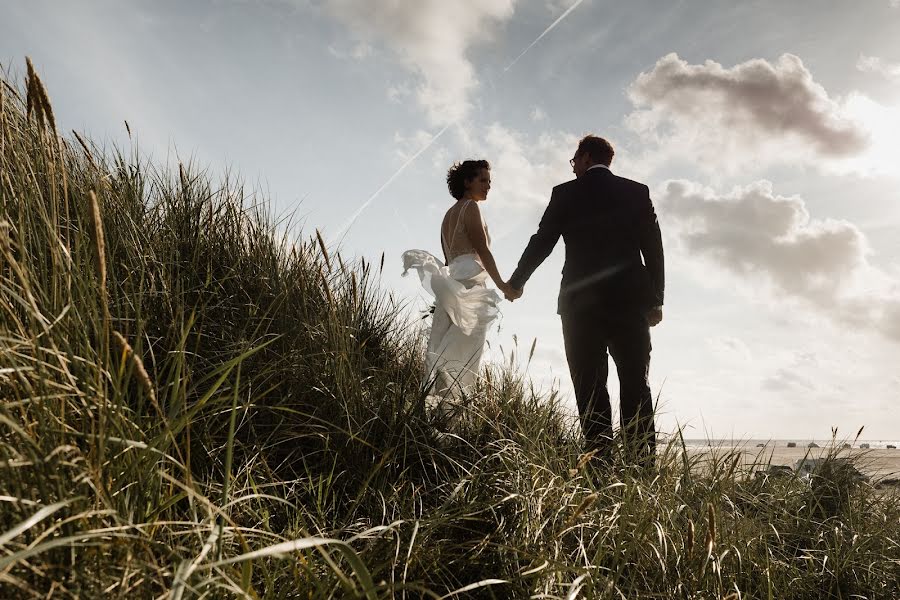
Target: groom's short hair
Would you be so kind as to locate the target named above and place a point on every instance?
(599, 149)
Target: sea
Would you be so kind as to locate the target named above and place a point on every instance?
(783, 443)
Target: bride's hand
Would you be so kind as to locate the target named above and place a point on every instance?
(510, 292)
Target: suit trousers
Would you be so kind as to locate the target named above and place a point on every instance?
(626, 336)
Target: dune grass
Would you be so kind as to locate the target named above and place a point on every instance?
(196, 405)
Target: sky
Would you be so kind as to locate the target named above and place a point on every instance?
(767, 131)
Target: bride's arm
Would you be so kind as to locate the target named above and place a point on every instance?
(475, 231)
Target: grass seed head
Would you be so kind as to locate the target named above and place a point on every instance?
(138, 365)
(47, 108)
(711, 529)
(585, 504)
(689, 543)
(31, 93)
(38, 101)
(99, 241)
(324, 249)
(5, 236)
(583, 460)
(182, 176)
(87, 150)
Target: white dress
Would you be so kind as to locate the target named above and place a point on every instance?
(464, 310)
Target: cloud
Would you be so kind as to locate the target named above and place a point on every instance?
(408, 145)
(730, 349)
(525, 168)
(359, 51)
(753, 230)
(770, 242)
(753, 111)
(787, 380)
(800, 371)
(431, 37)
(876, 64)
(399, 93)
(538, 114)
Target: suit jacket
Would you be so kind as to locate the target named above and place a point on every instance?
(607, 223)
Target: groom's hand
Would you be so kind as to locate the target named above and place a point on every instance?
(513, 293)
(654, 316)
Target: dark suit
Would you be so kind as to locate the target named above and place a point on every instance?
(607, 223)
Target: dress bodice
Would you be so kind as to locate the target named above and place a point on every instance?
(458, 242)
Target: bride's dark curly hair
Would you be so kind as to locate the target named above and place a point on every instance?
(462, 172)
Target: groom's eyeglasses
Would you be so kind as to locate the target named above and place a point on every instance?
(572, 161)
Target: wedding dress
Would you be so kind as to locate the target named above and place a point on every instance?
(464, 310)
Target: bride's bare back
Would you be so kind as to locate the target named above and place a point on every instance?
(455, 238)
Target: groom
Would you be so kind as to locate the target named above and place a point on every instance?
(608, 298)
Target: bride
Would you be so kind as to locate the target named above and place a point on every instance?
(464, 306)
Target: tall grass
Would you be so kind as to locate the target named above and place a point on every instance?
(195, 404)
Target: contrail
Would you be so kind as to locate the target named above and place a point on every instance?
(349, 223)
(546, 31)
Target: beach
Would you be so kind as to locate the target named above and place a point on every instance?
(877, 463)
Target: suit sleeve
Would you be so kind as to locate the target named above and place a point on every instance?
(652, 249)
(541, 243)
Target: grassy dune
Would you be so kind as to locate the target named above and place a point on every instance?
(194, 405)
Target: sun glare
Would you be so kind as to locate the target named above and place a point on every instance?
(883, 124)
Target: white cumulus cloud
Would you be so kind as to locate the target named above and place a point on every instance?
(524, 168)
(432, 38)
(770, 241)
(876, 64)
(756, 111)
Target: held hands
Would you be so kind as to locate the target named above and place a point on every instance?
(509, 292)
